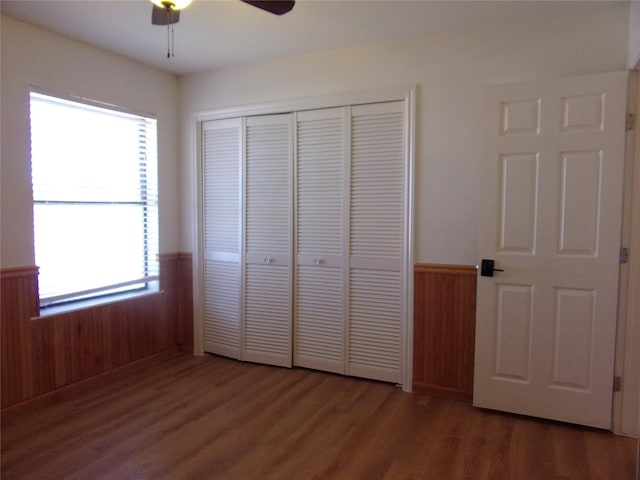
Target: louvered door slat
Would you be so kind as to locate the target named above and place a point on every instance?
(320, 288)
(377, 194)
(320, 322)
(221, 201)
(222, 307)
(268, 193)
(376, 242)
(319, 183)
(267, 337)
(268, 167)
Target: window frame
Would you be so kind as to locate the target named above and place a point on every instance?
(146, 201)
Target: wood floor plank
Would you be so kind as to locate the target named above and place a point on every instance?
(187, 417)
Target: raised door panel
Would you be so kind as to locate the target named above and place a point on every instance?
(222, 146)
(320, 216)
(268, 237)
(376, 241)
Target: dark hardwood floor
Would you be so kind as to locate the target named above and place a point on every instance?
(188, 417)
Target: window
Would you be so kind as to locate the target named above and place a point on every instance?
(95, 209)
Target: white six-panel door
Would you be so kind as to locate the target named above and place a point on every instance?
(551, 219)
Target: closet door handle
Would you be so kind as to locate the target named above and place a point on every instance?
(316, 261)
(267, 260)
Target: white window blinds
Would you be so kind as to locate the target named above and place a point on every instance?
(95, 199)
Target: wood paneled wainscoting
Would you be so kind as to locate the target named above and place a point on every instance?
(42, 354)
(444, 329)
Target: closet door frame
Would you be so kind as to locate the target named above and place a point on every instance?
(407, 94)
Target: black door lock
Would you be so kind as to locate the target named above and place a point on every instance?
(487, 268)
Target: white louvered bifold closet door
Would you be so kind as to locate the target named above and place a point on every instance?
(268, 230)
(221, 154)
(376, 241)
(319, 320)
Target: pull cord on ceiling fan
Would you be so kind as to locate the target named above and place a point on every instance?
(167, 12)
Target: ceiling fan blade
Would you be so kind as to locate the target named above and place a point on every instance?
(277, 7)
(161, 16)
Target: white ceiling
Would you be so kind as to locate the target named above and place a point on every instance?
(214, 34)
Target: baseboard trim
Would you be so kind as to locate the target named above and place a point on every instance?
(439, 391)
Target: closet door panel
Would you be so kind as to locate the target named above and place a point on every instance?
(320, 319)
(267, 335)
(320, 214)
(376, 244)
(222, 146)
(222, 308)
(320, 182)
(268, 230)
(374, 324)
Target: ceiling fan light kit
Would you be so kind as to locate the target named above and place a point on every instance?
(172, 4)
(167, 12)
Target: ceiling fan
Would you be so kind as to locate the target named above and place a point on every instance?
(167, 12)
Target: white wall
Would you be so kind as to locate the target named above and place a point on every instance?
(34, 57)
(450, 71)
(634, 34)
